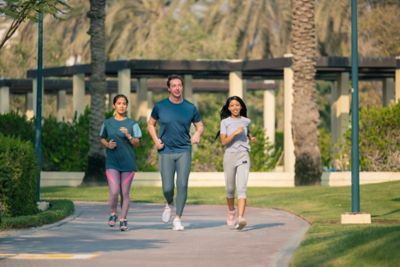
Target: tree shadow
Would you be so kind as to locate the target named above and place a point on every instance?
(387, 213)
(260, 226)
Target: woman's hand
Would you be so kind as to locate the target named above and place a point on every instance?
(124, 130)
(238, 131)
(111, 144)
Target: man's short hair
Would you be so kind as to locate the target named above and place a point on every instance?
(173, 77)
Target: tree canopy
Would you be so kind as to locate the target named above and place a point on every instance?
(21, 10)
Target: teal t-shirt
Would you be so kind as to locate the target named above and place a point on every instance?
(175, 121)
(122, 157)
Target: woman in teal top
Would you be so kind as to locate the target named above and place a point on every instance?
(119, 135)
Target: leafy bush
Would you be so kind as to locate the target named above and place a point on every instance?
(379, 138)
(325, 147)
(146, 152)
(14, 125)
(58, 210)
(17, 177)
(65, 145)
(263, 155)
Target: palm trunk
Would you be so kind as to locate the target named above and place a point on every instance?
(95, 170)
(305, 118)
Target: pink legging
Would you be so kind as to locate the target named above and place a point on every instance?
(119, 182)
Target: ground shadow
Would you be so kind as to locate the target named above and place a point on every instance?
(260, 226)
(76, 244)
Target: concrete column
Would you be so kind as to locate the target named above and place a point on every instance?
(34, 95)
(29, 106)
(150, 103)
(289, 158)
(124, 86)
(110, 101)
(141, 100)
(236, 86)
(4, 99)
(397, 83)
(333, 102)
(388, 92)
(196, 99)
(62, 105)
(188, 88)
(342, 105)
(269, 115)
(78, 94)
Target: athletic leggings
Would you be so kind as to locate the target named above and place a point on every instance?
(169, 164)
(236, 170)
(119, 183)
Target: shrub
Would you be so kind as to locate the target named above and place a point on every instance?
(17, 177)
(145, 153)
(65, 145)
(58, 210)
(14, 125)
(379, 140)
(325, 147)
(263, 155)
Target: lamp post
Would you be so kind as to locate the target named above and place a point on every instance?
(355, 166)
(355, 217)
(38, 115)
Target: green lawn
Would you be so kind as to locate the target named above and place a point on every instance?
(327, 243)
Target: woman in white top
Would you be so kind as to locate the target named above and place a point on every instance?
(235, 135)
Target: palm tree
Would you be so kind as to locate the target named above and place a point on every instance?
(19, 11)
(305, 118)
(96, 158)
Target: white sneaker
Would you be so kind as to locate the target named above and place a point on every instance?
(166, 215)
(177, 225)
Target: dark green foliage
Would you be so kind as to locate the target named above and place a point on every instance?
(264, 156)
(208, 154)
(14, 125)
(58, 210)
(325, 147)
(17, 177)
(145, 150)
(379, 140)
(65, 145)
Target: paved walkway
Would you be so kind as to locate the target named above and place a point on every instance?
(84, 239)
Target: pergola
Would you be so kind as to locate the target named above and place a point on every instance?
(235, 77)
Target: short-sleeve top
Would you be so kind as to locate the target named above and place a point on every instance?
(122, 157)
(241, 141)
(175, 121)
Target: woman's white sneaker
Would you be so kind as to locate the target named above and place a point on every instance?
(166, 215)
(177, 225)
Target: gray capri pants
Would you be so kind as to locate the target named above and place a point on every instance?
(236, 170)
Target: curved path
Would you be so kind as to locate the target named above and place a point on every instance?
(84, 239)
